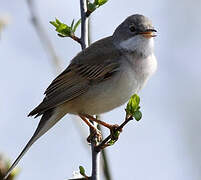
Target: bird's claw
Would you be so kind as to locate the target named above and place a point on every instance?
(95, 134)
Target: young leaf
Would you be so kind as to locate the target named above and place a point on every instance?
(111, 142)
(76, 25)
(60, 35)
(116, 135)
(137, 99)
(62, 29)
(101, 2)
(71, 26)
(65, 30)
(137, 115)
(96, 2)
(91, 7)
(53, 23)
(133, 107)
(82, 170)
(57, 21)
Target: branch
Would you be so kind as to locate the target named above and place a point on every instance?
(106, 142)
(105, 164)
(43, 36)
(84, 24)
(85, 43)
(106, 168)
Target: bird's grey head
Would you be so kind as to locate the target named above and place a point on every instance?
(135, 33)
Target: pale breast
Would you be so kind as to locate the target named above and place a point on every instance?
(144, 68)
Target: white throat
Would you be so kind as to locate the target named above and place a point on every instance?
(139, 44)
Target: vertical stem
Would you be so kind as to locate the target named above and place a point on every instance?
(106, 168)
(95, 164)
(84, 24)
(85, 43)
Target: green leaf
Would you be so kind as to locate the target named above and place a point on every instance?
(137, 115)
(133, 107)
(116, 135)
(57, 21)
(76, 25)
(62, 29)
(53, 23)
(137, 99)
(82, 170)
(60, 35)
(91, 7)
(133, 104)
(71, 26)
(101, 2)
(111, 142)
(96, 2)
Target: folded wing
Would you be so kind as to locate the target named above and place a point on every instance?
(73, 82)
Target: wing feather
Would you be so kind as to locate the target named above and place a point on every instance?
(73, 82)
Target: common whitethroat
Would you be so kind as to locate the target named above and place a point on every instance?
(99, 78)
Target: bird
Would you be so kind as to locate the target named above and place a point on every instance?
(100, 78)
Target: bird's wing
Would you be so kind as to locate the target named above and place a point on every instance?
(73, 82)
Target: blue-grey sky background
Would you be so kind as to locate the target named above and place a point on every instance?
(165, 144)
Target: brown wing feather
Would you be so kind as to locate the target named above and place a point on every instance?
(73, 82)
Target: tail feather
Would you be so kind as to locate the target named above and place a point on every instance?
(48, 120)
(37, 111)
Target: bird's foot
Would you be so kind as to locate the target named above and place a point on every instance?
(95, 134)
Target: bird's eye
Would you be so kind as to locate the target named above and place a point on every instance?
(132, 28)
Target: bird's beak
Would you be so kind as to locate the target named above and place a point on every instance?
(149, 33)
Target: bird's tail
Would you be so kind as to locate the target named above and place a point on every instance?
(48, 120)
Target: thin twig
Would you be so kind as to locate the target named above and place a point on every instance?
(75, 38)
(43, 36)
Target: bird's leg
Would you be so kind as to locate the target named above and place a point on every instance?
(109, 126)
(112, 127)
(95, 131)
